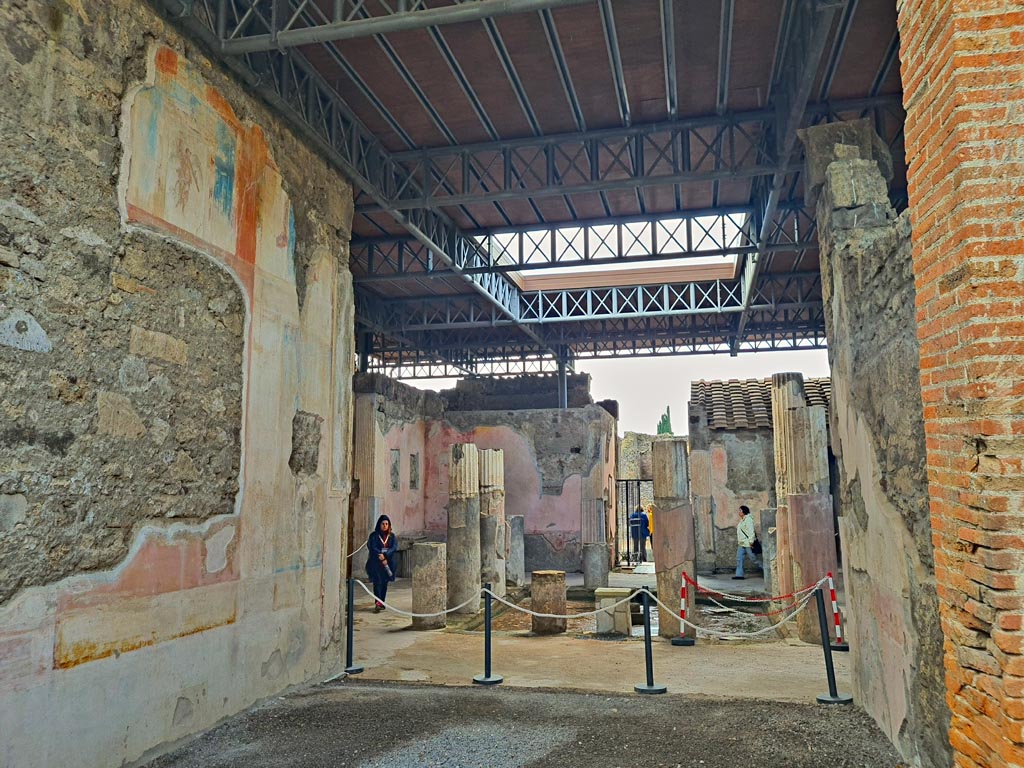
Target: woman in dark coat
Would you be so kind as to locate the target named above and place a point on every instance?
(380, 563)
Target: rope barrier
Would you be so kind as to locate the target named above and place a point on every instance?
(415, 615)
(797, 608)
(730, 609)
(361, 547)
(764, 631)
(559, 615)
(747, 598)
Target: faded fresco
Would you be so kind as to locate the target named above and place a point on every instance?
(195, 171)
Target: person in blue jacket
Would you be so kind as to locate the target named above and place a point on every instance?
(380, 563)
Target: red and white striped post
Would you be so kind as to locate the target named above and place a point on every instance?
(682, 639)
(839, 645)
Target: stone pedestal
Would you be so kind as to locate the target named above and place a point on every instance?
(464, 528)
(515, 565)
(673, 543)
(613, 620)
(429, 584)
(547, 595)
(595, 565)
(492, 519)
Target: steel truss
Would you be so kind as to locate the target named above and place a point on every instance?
(723, 231)
(791, 290)
(272, 25)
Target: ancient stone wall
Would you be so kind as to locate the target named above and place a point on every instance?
(175, 314)
(961, 70)
(879, 442)
(515, 393)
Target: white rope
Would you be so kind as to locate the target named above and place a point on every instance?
(415, 615)
(747, 599)
(361, 547)
(716, 633)
(559, 615)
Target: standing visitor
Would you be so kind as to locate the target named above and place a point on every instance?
(639, 530)
(745, 540)
(380, 563)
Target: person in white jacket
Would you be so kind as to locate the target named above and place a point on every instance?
(745, 540)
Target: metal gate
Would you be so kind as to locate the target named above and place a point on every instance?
(629, 495)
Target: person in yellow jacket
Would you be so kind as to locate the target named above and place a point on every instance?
(650, 525)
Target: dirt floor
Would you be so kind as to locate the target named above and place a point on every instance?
(566, 700)
(388, 725)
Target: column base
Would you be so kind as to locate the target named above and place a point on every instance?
(683, 641)
(353, 670)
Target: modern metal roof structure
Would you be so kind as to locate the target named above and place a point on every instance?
(646, 149)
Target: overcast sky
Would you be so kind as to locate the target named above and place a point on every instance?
(644, 386)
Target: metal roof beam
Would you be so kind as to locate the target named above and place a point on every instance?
(808, 32)
(668, 53)
(790, 291)
(622, 241)
(253, 37)
(698, 149)
(611, 38)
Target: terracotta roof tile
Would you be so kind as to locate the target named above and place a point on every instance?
(747, 404)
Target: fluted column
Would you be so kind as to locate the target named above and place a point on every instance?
(464, 527)
(492, 519)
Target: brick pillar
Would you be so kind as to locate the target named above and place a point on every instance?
(964, 89)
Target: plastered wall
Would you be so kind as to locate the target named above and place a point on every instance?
(175, 391)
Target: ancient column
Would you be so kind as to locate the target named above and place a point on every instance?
(464, 527)
(492, 519)
(515, 564)
(429, 583)
(673, 544)
(812, 539)
(369, 469)
(701, 487)
(547, 595)
(787, 393)
(596, 566)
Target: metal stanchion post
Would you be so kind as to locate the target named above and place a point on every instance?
(833, 696)
(350, 667)
(650, 687)
(487, 678)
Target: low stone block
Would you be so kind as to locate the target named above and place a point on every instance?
(613, 620)
(547, 595)
(853, 183)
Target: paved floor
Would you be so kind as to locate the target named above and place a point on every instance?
(782, 670)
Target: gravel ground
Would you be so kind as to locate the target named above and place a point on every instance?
(378, 725)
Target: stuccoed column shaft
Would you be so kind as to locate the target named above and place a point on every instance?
(515, 565)
(464, 528)
(674, 547)
(492, 519)
(429, 584)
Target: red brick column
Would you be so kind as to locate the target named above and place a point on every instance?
(963, 77)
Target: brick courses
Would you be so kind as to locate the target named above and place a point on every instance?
(963, 76)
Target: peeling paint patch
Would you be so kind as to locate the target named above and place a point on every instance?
(217, 549)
